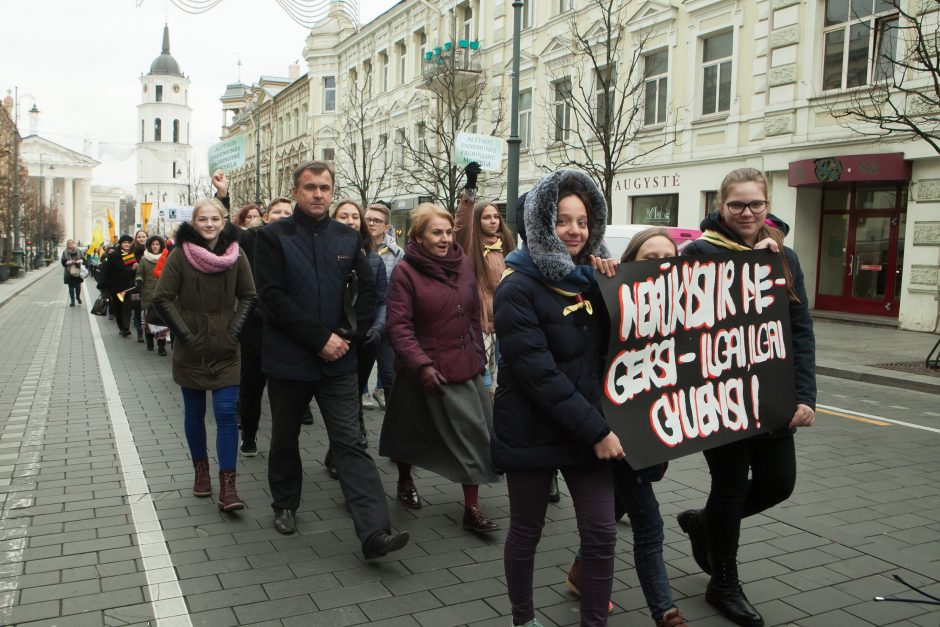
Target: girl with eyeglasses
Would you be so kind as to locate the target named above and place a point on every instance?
(743, 222)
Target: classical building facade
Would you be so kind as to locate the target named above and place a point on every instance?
(164, 153)
(724, 84)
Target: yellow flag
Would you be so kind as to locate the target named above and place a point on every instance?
(145, 208)
(112, 238)
(96, 240)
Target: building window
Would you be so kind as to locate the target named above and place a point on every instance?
(402, 62)
(659, 210)
(176, 131)
(383, 151)
(656, 66)
(561, 90)
(400, 145)
(716, 73)
(367, 70)
(173, 171)
(421, 39)
(327, 154)
(711, 198)
(525, 118)
(860, 43)
(565, 5)
(141, 131)
(158, 93)
(528, 14)
(605, 86)
(468, 23)
(157, 129)
(329, 93)
(383, 57)
(420, 140)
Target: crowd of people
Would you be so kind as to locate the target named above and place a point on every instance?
(489, 359)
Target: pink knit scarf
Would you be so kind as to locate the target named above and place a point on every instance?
(208, 262)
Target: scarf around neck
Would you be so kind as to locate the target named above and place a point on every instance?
(441, 268)
(152, 258)
(207, 262)
(580, 279)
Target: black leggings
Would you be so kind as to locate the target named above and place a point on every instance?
(771, 462)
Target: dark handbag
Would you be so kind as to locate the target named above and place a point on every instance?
(349, 324)
(100, 308)
(75, 271)
(154, 318)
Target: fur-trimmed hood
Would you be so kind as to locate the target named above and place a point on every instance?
(187, 233)
(541, 213)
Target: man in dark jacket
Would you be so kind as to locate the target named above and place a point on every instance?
(306, 266)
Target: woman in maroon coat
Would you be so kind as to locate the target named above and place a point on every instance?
(439, 416)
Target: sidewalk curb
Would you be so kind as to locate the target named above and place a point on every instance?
(879, 379)
(27, 281)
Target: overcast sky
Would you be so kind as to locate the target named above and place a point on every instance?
(82, 62)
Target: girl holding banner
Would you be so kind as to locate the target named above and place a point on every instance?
(742, 222)
(553, 332)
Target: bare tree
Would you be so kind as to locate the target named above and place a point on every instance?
(456, 101)
(904, 94)
(596, 106)
(364, 166)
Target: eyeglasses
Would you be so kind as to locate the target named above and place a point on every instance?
(375, 220)
(756, 206)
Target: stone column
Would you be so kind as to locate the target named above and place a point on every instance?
(68, 209)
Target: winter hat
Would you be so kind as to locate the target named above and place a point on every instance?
(125, 238)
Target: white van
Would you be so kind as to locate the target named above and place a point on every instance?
(617, 236)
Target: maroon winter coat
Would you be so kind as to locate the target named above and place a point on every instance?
(434, 314)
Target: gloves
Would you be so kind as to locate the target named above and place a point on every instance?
(432, 381)
(472, 171)
(372, 338)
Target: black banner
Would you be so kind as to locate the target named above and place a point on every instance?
(700, 353)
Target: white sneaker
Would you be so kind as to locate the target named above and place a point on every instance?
(367, 402)
(379, 395)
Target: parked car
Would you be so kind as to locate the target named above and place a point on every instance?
(617, 236)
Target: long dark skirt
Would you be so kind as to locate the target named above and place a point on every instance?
(448, 436)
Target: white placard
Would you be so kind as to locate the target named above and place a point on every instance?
(484, 149)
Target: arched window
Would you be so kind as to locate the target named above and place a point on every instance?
(141, 131)
(157, 127)
(176, 131)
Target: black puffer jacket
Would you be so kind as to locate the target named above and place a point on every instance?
(801, 323)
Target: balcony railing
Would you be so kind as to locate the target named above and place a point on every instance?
(462, 57)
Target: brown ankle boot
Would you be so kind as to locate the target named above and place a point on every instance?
(202, 486)
(228, 497)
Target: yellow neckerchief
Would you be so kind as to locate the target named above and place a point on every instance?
(714, 237)
(383, 250)
(495, 247)
(580, 301)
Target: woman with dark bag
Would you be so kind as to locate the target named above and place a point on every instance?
(72, 262)
(119, 282)
(439, 415)
(146, 282)
(205, 294)
(553, 332)
(633, 489)
(752, 475)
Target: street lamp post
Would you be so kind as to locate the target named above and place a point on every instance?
(34, 116)
(514, 141)
(258, 156)
(42, 212)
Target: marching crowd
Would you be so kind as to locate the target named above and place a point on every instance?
(489, 362)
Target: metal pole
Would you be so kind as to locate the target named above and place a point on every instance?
(512, 184)
(42, 212)
(17, 248)
(258, 157)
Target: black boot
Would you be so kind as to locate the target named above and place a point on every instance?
(149, 339)
(725, 594)
(692, 521)
(161, 348)
(140, 336)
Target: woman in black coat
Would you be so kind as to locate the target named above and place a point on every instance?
(119, 277)
(72, 262)
(743, 222)
(553, 331)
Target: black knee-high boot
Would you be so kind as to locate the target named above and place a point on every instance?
(725, 594)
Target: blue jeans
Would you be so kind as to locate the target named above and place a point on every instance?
(647, 523)
(224, 404)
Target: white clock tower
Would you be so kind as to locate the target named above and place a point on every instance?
(163, 149)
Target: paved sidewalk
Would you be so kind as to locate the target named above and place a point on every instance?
(12, 287)
(77, 546)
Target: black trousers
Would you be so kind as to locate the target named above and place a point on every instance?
(338, 399)
(365, 359)
(251, 389)
(122, 313)
(771, 462)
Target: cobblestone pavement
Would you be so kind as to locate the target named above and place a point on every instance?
(99, 526)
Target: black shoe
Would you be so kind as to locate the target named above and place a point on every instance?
(72, 304)
(307, 418)
(249, 449)
(381, 543)
(79, 301)
(724, 592)
(554, 495)
(692, 522)
(161, 350)
(285, 521)
(328, 463)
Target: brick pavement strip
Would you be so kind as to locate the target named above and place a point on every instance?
(865, 507)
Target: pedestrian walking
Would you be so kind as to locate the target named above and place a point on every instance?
(205, 294)
(120, 272)
(439, 415)
(752, 475)
(319, 299)
(252, 380)
(378, 221)
(72, 262)
(553, 332)
(349, 213)
(247, 216)
(155, 331)
(140, 247)
(633, 489)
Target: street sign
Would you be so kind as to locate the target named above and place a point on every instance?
(180, 214)
(484, 149)
(228, 155)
